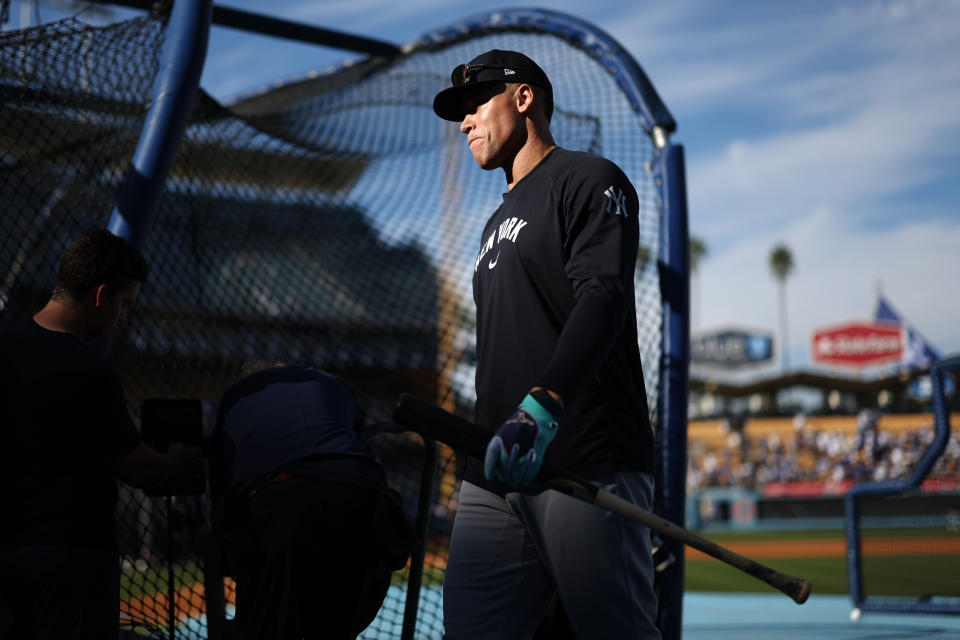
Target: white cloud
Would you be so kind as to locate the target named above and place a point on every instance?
(765, 182)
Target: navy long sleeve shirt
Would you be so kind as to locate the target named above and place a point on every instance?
(554, 288)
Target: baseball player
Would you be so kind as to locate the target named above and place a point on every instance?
(558, 377)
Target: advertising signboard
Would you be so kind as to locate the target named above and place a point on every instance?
(731, 348)
(858, 344)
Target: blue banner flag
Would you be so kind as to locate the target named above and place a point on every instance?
(917, 352)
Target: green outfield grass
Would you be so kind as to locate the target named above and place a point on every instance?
(914, 577)
(828, 575)
(910, 575)
(135, 583)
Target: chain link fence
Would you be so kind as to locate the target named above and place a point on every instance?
(332, 221)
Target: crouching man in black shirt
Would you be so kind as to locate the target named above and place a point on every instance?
(312, 531)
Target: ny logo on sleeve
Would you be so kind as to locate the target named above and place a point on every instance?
(616, 199)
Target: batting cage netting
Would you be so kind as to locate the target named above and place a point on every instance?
(333, 221)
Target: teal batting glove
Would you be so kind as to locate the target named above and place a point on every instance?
(515, 454)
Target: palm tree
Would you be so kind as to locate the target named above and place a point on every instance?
(698, 251)
(781, 264)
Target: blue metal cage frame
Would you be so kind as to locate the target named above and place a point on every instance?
(896, 487)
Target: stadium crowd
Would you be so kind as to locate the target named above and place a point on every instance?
(813, 455)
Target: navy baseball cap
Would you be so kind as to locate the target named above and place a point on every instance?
(494, 66)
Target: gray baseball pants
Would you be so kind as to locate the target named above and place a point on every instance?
(510, 555)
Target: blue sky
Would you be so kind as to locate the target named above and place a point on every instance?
(832, 127)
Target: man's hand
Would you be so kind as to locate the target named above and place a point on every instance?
(515, 453)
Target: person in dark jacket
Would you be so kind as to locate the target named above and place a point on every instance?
(311, 527)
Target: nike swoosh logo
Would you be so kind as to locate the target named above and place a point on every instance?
(493, 263)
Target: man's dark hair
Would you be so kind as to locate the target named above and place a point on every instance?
(547, 100)
(98, 257)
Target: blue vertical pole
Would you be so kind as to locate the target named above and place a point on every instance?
(181, 64)
(174, 90)
(674, 374)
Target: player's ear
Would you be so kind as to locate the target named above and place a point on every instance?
(524, 98)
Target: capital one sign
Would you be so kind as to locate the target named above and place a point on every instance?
(858, 344)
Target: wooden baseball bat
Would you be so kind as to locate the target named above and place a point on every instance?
(434, 423)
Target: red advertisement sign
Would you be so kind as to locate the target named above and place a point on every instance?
(858, 344)
(827, 489)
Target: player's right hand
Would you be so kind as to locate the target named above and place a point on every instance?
(514, 455)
